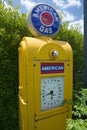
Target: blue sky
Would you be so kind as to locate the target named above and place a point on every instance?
(72, 10)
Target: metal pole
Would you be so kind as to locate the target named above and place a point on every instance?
(85, 43)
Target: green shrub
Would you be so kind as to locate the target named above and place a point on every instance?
(77, 124)
(12, 29)
(79, 120)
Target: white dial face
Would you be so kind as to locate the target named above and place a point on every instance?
(52, 92)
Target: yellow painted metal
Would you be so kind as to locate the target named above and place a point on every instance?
(32, 52)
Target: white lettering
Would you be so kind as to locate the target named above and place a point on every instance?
(36, 15)
(37, 10)
(45, 30)
(45, 7)
(56, 19)
(50, 30)
(41, 28)
(47, 68)
(51, 10)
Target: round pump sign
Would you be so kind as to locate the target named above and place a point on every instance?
(43, 20)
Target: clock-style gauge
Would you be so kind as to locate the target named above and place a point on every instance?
(52, 92)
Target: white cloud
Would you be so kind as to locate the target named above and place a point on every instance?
(59, 3)
(67, 3)
(27, 3)
(68, 16)
(71, 3)
(78, 24)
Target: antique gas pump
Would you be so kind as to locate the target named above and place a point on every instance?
(45, 74)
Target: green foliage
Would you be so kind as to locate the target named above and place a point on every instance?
(12, 29)
(80, 104)
(78, 124)
(76, 40)
(79, 121)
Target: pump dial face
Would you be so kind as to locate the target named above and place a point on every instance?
(52, 92)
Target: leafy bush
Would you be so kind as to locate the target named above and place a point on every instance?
(78, 124)
(76, 40)
(12, 29)
(80, 104)
(79, 121)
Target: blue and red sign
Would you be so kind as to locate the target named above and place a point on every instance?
(52, 68)
(45, 20)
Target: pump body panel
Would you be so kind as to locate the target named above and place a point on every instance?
(45, 83)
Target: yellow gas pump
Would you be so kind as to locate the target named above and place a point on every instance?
(45, 82)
